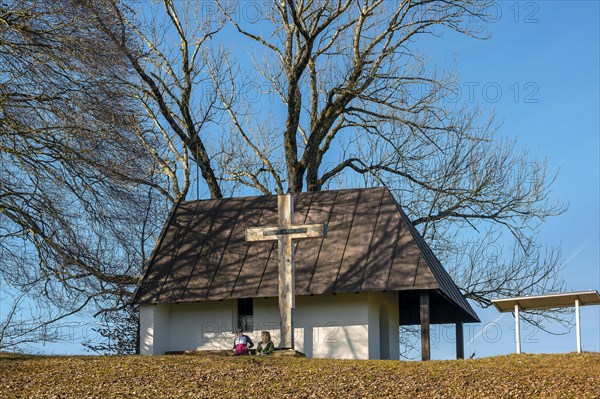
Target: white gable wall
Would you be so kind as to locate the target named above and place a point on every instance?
(345, 326)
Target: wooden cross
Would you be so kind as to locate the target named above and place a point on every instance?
(284, 233)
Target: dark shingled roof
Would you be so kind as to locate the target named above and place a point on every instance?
(371, 246)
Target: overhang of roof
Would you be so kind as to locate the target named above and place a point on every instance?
(441, 309)
(371, 246)
(548, 301)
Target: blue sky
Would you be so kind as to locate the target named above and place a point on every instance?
(544, 57)
(539, 72)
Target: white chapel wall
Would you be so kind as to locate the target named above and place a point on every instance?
(186, 326)
(327, 326)
(154, 329)
(205, 325)
(344, 326)
(383, 304)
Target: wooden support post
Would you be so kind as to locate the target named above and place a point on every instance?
(577, 325)
(425, 343)
(460, 342)
(517, 331)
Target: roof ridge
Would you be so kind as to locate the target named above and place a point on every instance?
(275, 194)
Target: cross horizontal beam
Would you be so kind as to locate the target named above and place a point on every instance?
(298, 231)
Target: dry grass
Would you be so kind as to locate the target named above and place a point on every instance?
(514, 376)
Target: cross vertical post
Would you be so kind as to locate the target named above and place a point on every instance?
(285, 232)
(287, 284)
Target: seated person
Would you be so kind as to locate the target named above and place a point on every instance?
(241, 343)
(265, 346)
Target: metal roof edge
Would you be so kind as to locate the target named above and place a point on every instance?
(438, 268)
(474, 317)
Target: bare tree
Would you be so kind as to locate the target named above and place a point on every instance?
(342, 96)
(170, 83)
(105, 109)
(119, 331)
(78, 193)
(360, 104)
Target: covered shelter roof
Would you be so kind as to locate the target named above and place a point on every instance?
(202, 253)
(548, 301)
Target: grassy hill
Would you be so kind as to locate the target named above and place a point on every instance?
(514, 376)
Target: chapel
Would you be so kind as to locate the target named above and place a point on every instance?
(372, 273)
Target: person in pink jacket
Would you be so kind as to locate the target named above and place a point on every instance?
(241, 343)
